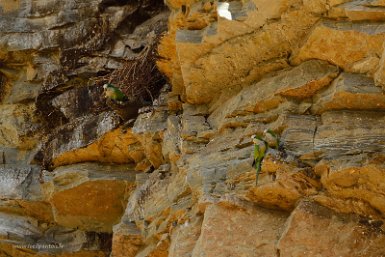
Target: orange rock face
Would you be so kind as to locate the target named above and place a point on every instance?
(227, 231)
(75, 193)
(313, 230)
(113, 147)
(174, 172)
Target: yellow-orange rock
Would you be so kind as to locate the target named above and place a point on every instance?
(359, 178)
(280, 185)
(226, 54)
(126, 241)
(9, 6)
(299, 82)
(379, 76)
(350, 91)
(184, 238)
(117, 146)
(36, 209)
(76, 193)
(149, 131)
(359, 40)
(236, 232)
(358, 11)
(313, 230)
(18, 125)
(347, 206)
(156, 249)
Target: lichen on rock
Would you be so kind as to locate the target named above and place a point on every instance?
(170, 172)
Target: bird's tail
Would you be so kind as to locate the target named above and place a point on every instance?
(258, 170)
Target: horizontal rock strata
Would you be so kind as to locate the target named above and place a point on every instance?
(173, 173)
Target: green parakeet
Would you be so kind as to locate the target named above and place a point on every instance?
(271, 138)
(114, 93)
(260, 148)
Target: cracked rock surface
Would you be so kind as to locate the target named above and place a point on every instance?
(178, 179)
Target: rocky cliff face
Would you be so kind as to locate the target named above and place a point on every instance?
(77, 180)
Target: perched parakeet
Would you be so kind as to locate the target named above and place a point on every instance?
(260, 148)
(271, 138)
(114, 93)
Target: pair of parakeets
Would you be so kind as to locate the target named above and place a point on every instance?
(261, 145)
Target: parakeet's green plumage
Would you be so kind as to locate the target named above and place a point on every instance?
(271, 138)
(114, 93)
(260, 148)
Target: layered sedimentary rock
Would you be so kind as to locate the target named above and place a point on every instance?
(54, 118)
(326, 227)
(178, 179)
(70, 185)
